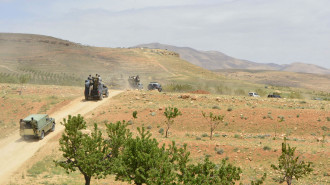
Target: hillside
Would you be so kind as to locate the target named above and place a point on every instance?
(214, 60)
(51, 61)
(48, 60)
(42, 54)
(280, 78)
(305, 68)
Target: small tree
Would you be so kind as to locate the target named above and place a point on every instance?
(118, 134)
(210, 173)
(87, 153)
(213, 120)
(22, 80)
(289, 167)
(142, 161)
(134, 114)
(170, 113)
(259, 181)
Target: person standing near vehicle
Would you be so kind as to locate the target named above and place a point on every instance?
(34, 125)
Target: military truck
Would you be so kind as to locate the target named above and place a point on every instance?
(36, 125)
(155, 85)
(95, 89)
(134, 82)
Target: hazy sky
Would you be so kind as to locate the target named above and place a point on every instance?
(278, 31)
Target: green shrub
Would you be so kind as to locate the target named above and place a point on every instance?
(325, 128)
(216, 107)
(161, 131)
(204, 135)
(267, 148)
(178, 87)
(295, 95)
(220, 151)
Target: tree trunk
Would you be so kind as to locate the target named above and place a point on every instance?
(288, 181)
(211, 133)
(87, 180)
(168, 127)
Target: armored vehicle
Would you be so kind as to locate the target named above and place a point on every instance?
(155, 85)
(134, 82)
(36, 125)
(95, 89)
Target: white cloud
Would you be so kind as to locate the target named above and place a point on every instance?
(278, 31)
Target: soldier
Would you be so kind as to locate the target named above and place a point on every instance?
(100, 79)
(34, 125)
(89, 77)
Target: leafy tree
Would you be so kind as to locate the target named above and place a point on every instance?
(170, 113)
(87, 153)
(210, 173)
(289, 167)
(213, 120)
(142, 161)
(118, 134)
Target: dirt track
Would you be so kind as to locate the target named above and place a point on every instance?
(14, 150)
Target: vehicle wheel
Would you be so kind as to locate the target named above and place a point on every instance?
(159, 90)
(101, 96)
(42, 135)
(107, 94)
(53, 128)
(86, 98)
(25, 137)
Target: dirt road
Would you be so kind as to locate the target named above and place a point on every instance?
(14, 150)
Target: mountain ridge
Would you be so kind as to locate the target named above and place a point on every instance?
(214, 60)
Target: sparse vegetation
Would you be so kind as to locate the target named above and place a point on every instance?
(213, 121)
(253, 127)
(170, 113)
(289, 167)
